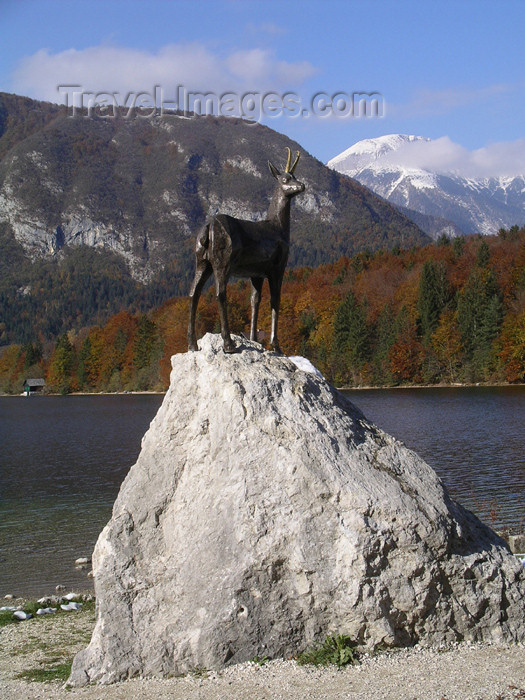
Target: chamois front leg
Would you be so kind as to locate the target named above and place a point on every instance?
(257, 283)
(275, 301)
(221, 279)
(202, 273)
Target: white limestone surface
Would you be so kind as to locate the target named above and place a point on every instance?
(265, 512)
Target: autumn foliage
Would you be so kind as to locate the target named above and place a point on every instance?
(451, 312)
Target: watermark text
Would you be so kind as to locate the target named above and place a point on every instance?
(251, 106)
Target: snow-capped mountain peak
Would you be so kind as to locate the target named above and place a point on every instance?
(365, 152)
(397, 167)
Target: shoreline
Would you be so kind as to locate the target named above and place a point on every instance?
(477, 385)
(368, 387)
(88, 393)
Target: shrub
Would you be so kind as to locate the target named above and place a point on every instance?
(339, 650)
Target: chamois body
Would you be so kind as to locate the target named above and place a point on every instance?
(257, 250)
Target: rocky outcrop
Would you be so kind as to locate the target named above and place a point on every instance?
(265, 512)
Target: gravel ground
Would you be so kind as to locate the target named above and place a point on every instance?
(488, 672)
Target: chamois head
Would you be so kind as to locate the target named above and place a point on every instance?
(287, 182)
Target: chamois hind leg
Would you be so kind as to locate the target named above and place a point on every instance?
(275, 300)
(257, 283)
(221, 280)
(202, 274)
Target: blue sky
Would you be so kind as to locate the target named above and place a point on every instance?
(442, 69)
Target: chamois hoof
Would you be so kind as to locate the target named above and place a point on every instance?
(229, 347)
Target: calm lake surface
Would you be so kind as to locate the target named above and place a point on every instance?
(62, 460)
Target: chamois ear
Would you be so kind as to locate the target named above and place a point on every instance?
(273, 170)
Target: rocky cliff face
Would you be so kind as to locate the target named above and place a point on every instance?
(265, 512)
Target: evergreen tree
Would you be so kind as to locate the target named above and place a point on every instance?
(479, 317)
(434, 295)
(483, 254)
(146, 355)
(458, 246)
(32, 354)
(61, 366)
(145, 342)
(351, 336)
(403, 324)
(484, 354)
(385, 336)
(307, 323)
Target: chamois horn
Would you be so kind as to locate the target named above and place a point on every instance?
(288, 161)
(297, 156)
(289, 169)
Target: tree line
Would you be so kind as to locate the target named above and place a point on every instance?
(451, 312)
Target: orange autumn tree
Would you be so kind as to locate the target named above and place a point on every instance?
(407, 352)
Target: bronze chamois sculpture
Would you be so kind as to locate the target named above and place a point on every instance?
(255, 249)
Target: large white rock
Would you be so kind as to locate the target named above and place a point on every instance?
(265, 512)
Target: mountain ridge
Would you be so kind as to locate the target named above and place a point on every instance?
(472, 205)
(142, 187)
(120, 201)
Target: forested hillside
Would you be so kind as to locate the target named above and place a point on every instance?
(449, 312)
(85, 286)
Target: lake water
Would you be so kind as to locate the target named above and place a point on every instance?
(62, 460)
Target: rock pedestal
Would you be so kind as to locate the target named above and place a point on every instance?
(265, 512)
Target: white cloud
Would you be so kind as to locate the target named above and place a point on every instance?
(506, 158)
(444, 156)
(193, 66)
(260, 67)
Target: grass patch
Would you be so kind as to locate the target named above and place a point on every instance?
(30, 646)
(259, 661)
(200, 672)
(338, 650)
(6, 618)
(31, 606)
(46, 675)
